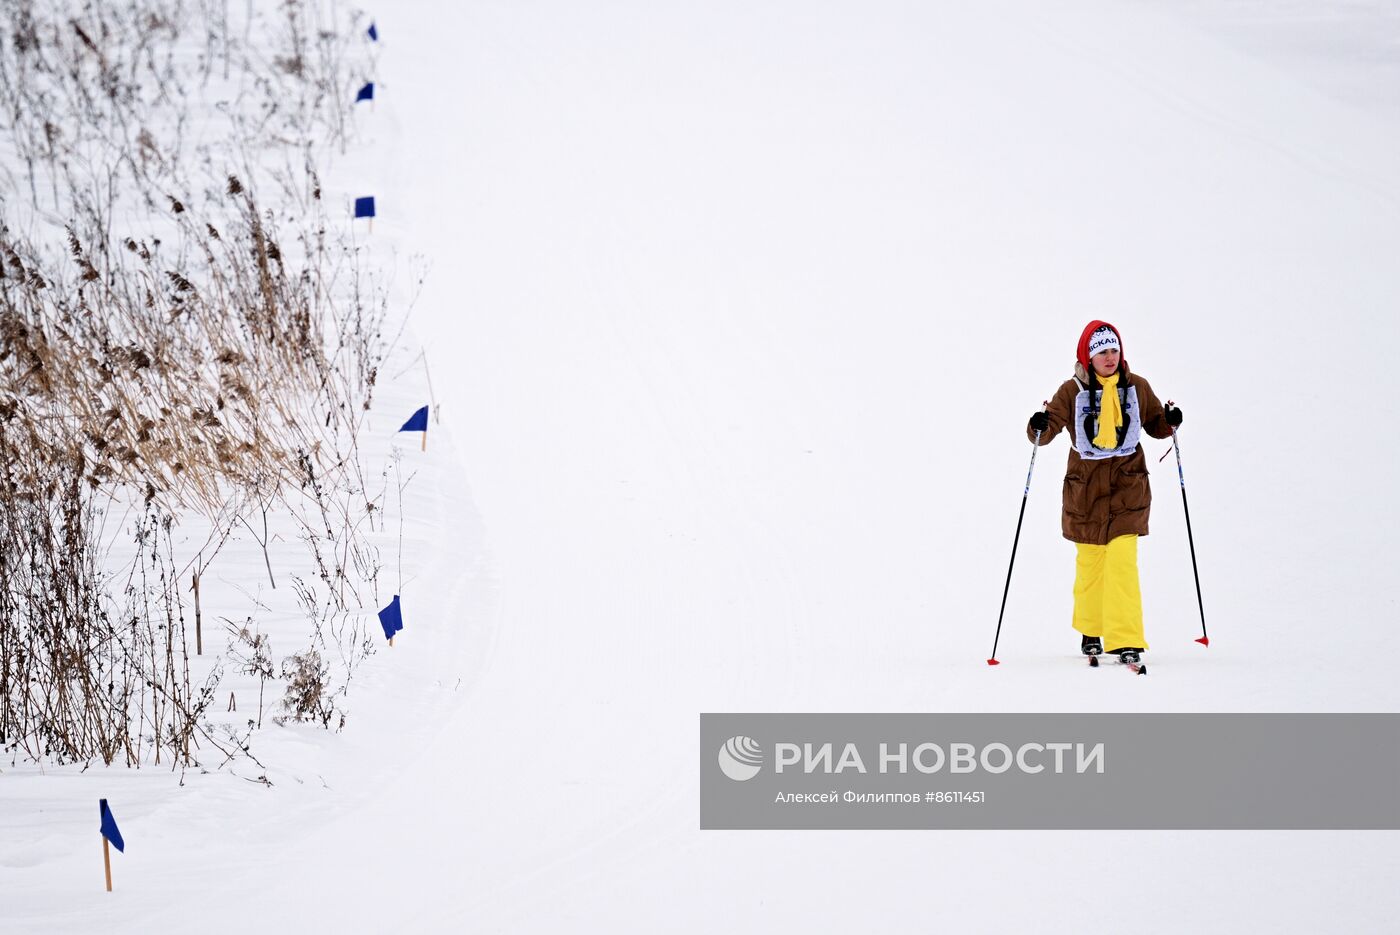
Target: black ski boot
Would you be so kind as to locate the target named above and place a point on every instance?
(1130, 655)
(1091, 645)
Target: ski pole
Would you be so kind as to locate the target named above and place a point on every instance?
(1204, 640)
(1006, 590)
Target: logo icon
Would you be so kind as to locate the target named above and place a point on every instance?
(740, 758)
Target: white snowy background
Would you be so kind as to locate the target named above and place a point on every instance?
(735, 314)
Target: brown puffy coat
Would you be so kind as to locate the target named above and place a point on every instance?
(1111, 497)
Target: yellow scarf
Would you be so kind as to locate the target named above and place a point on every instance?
(1110, 414)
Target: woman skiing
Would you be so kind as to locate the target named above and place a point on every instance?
(1106, 494)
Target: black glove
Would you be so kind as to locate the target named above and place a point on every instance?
(1040, 422)
(1173, 416)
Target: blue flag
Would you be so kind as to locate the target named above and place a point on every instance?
(366, 93)
(418, 422)
(391, 618)
(373, 33)
(109, 826)
(364, 207)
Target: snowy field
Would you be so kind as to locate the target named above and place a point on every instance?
(735, 316)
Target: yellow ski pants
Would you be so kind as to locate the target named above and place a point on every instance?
(1107, 599)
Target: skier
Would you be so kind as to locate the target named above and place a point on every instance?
(1106, 496)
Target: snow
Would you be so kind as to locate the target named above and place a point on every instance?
(734, 314)
(1347, 50)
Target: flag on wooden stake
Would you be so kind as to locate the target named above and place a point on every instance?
(110, 835)
(418, 422)
(391, 618)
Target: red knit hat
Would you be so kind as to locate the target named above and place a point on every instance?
(1088, 334)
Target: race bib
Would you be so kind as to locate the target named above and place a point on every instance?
(1085, 426)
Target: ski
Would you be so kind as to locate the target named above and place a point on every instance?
(1137, 668)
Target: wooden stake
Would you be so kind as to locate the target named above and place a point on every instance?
(371, 227)
(391, 641)
(107, 861)
(425, 439)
